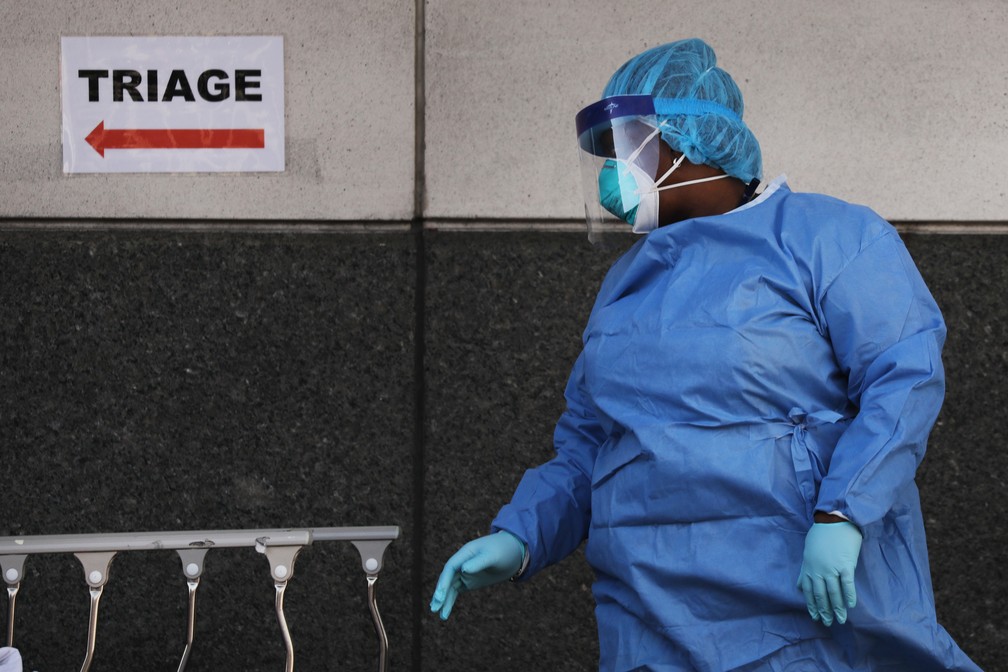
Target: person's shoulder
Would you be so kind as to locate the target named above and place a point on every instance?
(818, 217)
(828, 212)
(825, 234)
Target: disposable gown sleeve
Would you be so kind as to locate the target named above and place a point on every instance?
(887, 334)
(551, 508)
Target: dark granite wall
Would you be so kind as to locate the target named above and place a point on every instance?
(177, 380)
(964, 477)
(164, 381)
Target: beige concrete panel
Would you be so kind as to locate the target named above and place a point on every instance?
(349, 97)
(899, 104)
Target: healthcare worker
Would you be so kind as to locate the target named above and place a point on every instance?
(757, 384)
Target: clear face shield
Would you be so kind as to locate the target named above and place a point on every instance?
(620, 147)
(619, 140)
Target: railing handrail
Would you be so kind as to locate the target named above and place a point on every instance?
(170, 540)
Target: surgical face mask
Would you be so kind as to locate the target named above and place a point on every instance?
(618, 189)
(628, 191)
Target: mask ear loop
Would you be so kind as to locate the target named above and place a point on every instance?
(689, 182)
(640, 148)
(676, 164)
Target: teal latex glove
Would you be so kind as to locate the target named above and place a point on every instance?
(480, 563)
(827, 571)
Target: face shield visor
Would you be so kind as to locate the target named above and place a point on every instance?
(619, 139)
(619, 146)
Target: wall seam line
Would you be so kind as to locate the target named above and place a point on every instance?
(419, 332)
(415, 226)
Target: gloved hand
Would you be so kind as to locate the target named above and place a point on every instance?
(10, 659)
(482, 562)
(827, 571)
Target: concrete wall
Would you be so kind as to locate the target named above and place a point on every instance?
(377, 336)
(899, 104)
(349, 97)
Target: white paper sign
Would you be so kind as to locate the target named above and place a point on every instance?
(172, 104)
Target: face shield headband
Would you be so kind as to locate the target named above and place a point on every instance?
(619, 142)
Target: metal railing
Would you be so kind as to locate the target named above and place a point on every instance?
(281, 548)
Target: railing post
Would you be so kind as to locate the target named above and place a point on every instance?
(96, 571)
(13, 573)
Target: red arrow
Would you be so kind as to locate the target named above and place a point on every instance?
(175, 138)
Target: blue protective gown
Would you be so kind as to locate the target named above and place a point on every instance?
(740, 372)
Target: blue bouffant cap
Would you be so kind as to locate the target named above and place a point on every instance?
(684, 71)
